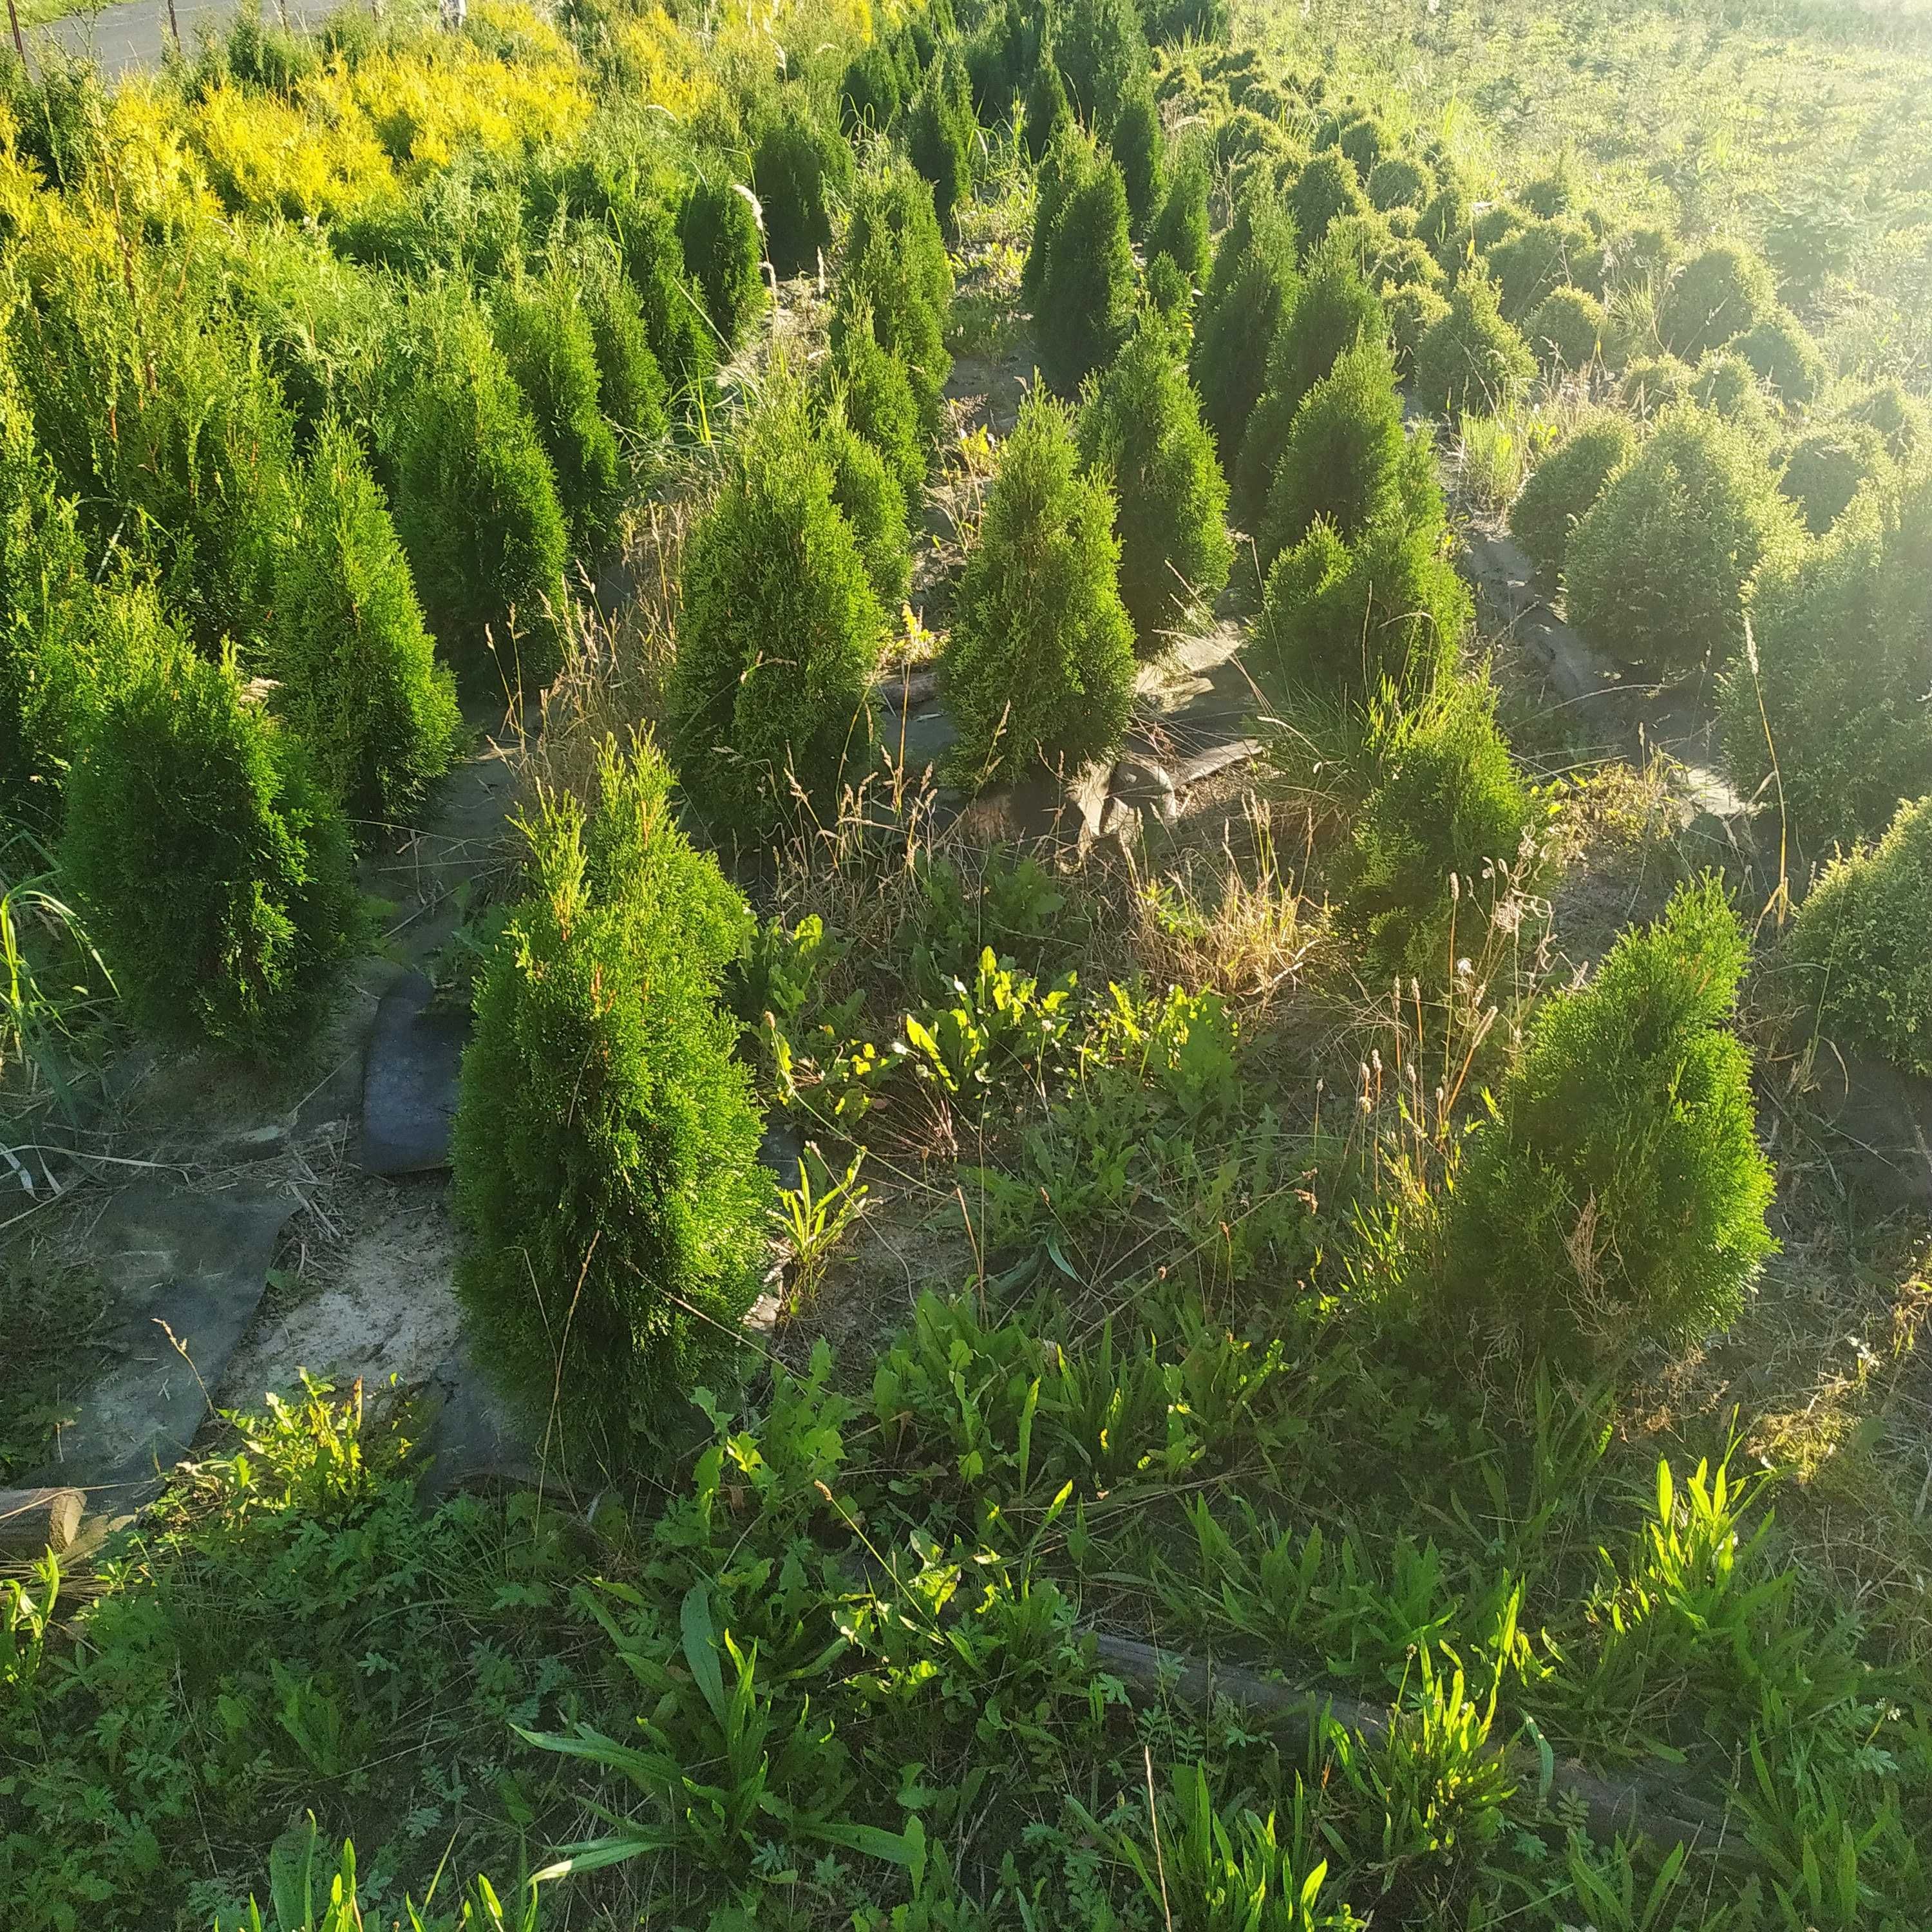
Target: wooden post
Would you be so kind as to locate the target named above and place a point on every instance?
(32, 1522)
(14, 20)
(174, 25)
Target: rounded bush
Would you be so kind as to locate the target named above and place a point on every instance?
(1391, 610)
(778, 638)
(217, 878)
(1902, 419)
(1727, 383)
(1446, 226)
(1346, 461)
(1656, 572)
(1253, 284)
(1563, 488)
(1537, 257)
(544, 334)
(940, 133)
(894, 266)
(1566, 331)
(1040, 667)
(1863, 938)
(799, 169)
(1555, 192)
(1398, 181)
(1332, 312)
(606, 1144)
(718, 232)
(1716, 296)
(869, 495)
(1327, 188)
(879, 400)
(1141, 429)
(355, 671)
(630, 387)
(1362, 137)
(1780, 348)
(1472, 358)
(1180, 226)
(1135, 142)
(476, 507)
(1081, 264)
(1620, 1173)
(1654, 383)
(1448, 802)
(1844, 661)
(868, 95)
(1828, 466)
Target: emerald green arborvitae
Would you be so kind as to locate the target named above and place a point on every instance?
(477, 509)
(1142, 429)
(216, 876)
(880, 400)
(1040, 667)
(895, 267)
(1565, 486)
(630, 387)
(801, 168)
(722, 254)
(544, 332)
(606, 1145)
(778, 638)
(1617, 1194)
(1079, 270)
(355, 670)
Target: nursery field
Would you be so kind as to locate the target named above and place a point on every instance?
(967, 967)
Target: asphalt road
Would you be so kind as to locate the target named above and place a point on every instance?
(120, 39)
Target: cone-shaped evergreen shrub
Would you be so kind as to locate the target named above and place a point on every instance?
(894, 266)
(476, 507)
(1656, 572)
(1717, 294)
(630, 387)
(1391, 610)
(1180, 226)
(45, 600)
(1566, 331)
(1254, 282)
(939, 136)
(1448, 802)
(681, 335)
(1412, 310)
(878, 397)
(1135, 142)
(1141, 429)
(869, 495)
(1334, 311)
(1472, 358)
(1085, 271)
(1040, 667)
(606, 1141)
(800, 169)
(1617, 1194)
(1101, 52)
(869, 96)
(356, 673)
(1843, 635)
(1780, 348)
(1048, 116)
(1346, 461)
(778, 638)
(1327, 188)
(1566, 483)
(1828, 466)
(1863, 937)
(544, 334)
(217, 878)
(718, 231)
